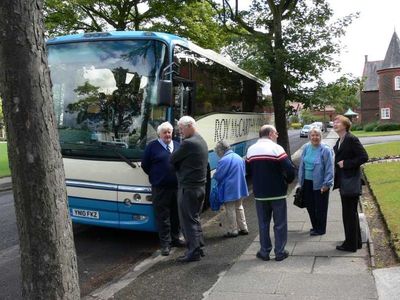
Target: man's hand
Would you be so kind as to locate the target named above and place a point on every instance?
(340, 164)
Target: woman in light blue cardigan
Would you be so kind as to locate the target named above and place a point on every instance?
(316, 178)
(232, 188)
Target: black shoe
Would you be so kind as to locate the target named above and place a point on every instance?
(230, 235)
(243, 232)
(343, 248)
(178, 243)
(188, 258)
(313, 233)
(283, 256)
(202, 253)
(262, 257)
(165, 251)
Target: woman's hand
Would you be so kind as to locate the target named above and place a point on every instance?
(324, 189)
(340, 164)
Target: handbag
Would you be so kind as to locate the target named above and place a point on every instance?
(350, 186)
(299, 198)
(215, 203)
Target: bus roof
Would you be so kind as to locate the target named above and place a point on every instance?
(166, 37)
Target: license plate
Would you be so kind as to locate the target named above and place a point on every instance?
(91, 214)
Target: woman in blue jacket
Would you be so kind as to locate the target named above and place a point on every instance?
(316, 178)
(232, 188)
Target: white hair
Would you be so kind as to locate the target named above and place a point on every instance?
(316, 130)
(221, 147)
(187, 120)
(164, 126)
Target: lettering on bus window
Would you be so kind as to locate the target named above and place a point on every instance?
(234, 127)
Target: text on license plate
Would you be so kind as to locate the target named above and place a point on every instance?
(92, 214)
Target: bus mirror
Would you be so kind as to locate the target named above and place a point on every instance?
(164, 93)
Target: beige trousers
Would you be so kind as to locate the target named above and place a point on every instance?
(234, 218)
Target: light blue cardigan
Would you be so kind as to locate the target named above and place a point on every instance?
(230, 175)
(323, 167)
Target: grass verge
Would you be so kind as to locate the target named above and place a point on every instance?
(383, 150)
(384, 181)
(4, 170)
(362, 133)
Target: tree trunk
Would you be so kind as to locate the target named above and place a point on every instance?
(48, 258)
(278, 100)
(277, 76)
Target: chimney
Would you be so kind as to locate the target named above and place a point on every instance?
(366, 58)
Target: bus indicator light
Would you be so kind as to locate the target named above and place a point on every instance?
(140, 218)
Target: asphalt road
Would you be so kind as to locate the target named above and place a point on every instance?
(379, 139)
(106, 254)
(103, 254)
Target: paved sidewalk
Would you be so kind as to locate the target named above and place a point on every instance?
(314, 269)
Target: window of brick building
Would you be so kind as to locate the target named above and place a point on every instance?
(397, 83)
(385, 113)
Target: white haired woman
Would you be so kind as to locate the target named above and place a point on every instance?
(316, 178)
(232, 188)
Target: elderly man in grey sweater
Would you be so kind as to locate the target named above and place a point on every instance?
(190, 162)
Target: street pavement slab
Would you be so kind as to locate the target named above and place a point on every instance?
(388, 283)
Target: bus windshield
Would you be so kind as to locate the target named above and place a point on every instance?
(105, 96)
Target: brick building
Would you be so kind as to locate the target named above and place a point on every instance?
(380, 97)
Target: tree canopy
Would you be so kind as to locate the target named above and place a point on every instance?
(195, 20)
(290, 42)
(341, 94)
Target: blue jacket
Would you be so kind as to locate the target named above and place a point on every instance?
(271, 170)
(323, 167)
(156, 163)
(230, 175)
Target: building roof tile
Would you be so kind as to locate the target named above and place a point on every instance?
(370, 75)
(392, 58)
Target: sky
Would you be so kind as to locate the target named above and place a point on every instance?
(370, 34)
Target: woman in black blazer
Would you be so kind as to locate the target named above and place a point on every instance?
(349, 156)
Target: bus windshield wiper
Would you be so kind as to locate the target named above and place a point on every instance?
(107, 145)
(113, 147)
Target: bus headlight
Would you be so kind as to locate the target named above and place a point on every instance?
(137, 197)
(148, 198)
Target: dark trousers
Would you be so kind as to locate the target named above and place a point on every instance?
(351, 223)
(317, 206)
(166, 212)
(190, 203)
(277, 210)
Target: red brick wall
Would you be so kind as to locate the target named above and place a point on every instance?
(369, 107)
(388, 96)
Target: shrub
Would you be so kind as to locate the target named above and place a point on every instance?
(356, 127)
(295, 125)
(387, 127)
(370, 127)
(294, 119)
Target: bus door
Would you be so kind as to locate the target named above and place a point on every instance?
(184, 95)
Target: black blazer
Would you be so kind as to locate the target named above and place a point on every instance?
(353, 155)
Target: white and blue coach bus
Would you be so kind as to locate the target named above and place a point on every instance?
(112, 90)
